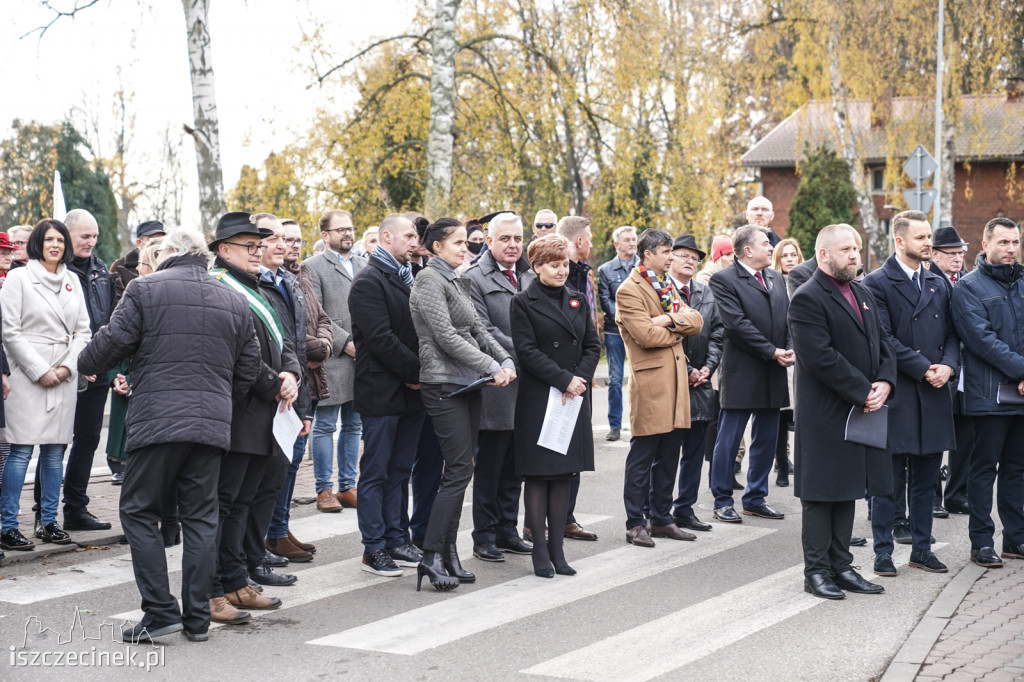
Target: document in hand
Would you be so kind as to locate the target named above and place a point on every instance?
(868, 428)
(559, 422)
(286, 429)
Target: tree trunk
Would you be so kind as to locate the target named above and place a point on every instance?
(440, 140)
(948, 168)
(878, 241)
(205, 131)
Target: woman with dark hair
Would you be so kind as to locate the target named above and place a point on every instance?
(455, 350)
(45, 327)
(557, 347)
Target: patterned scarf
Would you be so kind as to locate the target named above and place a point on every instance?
(662, 287)
(404, 271)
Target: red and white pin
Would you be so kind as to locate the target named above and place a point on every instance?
(67, 286)
(574, 303)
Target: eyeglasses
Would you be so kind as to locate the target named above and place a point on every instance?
(343, 230)
(544, 226)
(687, 256)
(296, 242)
(17, 244)
(253, 249)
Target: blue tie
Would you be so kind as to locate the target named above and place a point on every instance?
(916, 282)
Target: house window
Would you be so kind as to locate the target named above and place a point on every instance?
(878, 179)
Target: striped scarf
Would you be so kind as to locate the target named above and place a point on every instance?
(404, 271)
(662, 287)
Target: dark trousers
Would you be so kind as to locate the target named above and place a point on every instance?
(922, 474)
(711, 436)
(998, 452)
(389, 448)
(425, 480)
(649, 478)
(764, 437)
(826, 531)
(496, 488)
(283, 509)
(240, 476)
(261, 510)
(782, 442)
(690, 468)
(190, 472)
(88, 425)
(456, 421)
(574, 491)
(960, 461)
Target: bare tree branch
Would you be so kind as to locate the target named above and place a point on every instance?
(418, 38)
(59, 14)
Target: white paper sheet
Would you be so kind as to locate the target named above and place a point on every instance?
(559, 422)
(286, 429)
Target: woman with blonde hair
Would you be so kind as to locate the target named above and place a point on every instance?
(786, 256)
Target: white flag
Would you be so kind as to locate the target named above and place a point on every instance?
(59, 209)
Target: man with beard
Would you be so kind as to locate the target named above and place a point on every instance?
(844, 361)
(609, 277)
(913, 306)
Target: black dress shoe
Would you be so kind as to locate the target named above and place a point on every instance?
(53, 533)
(544, 572)
(987, 557)
(822, 586)
(197, 636)
(858, 542)
(927, 561)
(274, 561)
(958, 508)
(514, 546)
(488, 552)
(727, 515)
(763, 511)
(565, 569)
(83, 520)
(407, 555)
(265, 575)
(901, 534)
(884, 566)
(253, 584)
(782, 480)
(145, 630)
(613, 435)
(1013, 551)
(13, 539)
(692, 523)
(39, 526)
(939, 513)
(852, 581)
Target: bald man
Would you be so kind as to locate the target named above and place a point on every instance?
(760, 212)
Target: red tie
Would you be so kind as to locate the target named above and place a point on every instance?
(761, 280)
(686, 293)
(511, 274)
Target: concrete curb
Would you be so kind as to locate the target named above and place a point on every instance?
(908, 660)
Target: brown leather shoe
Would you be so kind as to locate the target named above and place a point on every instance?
(638, 536)
(251, 599)
(574, 531)
(527, 534)
(326, 502)
(221, 611)
(671, 532)
(306, 546)
(347, 498)
(284, 547)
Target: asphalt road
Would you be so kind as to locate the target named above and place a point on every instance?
(728, 606)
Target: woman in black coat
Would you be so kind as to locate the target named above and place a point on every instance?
(557, 347)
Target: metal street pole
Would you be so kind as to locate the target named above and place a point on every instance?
(938, 116)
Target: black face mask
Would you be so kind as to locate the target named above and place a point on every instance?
(475, 247)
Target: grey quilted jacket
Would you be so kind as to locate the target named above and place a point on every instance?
(455, 347)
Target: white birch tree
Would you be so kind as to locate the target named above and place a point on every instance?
(441, 138)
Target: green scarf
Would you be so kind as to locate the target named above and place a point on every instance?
(263, 310)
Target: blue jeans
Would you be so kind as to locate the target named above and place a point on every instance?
(616, 352)
(51, 475)
(325, 423)
(282, 509)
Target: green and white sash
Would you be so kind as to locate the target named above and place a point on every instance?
(263, 310)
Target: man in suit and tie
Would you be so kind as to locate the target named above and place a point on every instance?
(753, 305)
(913, 306)
(844, 362)
(331, 274)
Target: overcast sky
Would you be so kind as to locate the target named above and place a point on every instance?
(260, 69)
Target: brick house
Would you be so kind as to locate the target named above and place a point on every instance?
(989, 179)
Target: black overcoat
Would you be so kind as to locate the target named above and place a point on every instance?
(920, 327)
(755, 325)
(554, 341)
(837, 360)
(388, 356)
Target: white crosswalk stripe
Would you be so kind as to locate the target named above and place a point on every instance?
(721, 620)
(461, 616)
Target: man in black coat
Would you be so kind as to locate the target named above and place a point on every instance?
(238, 245)
(193, 350)
(913, 306)
(753, 304)
(800, 274)
(386, 394)
(844, 362)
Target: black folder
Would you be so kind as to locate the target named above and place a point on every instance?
(470, 388)
(1008, 395)
(868, 428)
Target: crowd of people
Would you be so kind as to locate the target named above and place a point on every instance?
(430, 355)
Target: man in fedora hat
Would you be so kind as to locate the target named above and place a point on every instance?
(949, 252)
(703, 353)
(238, 246)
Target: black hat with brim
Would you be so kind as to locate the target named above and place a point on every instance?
(687, 241)
(947, 237)
(237, 223)
(149, 228)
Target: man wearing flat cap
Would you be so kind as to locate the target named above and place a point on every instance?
(703, 353)
(126, 268)
(238, 248)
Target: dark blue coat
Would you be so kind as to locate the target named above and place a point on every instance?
(704, 350)
(920, 328)
(988, 311)
(609, 277)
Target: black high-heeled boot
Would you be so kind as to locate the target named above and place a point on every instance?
(171, 533)
(432, 567)
(454, 566)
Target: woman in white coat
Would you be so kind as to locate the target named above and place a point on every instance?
(45, 327)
